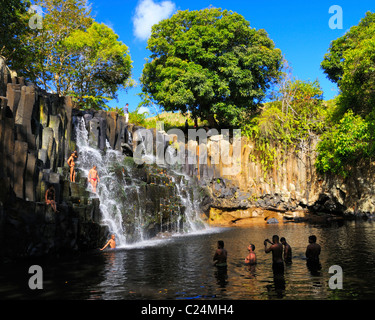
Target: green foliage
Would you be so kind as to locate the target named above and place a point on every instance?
(346, 144)
(72, 55)
(50, 60)
(102, 65)
(288, 122)
(350, 62)
(14, 26)
(211, 63)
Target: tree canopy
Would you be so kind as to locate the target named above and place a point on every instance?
(13, 26)
(350, 62)
(350, 138)
(211, 63)
(74, 55)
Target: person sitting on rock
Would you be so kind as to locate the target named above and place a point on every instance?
(50, 197)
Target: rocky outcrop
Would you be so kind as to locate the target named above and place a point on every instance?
(35, 142)
(292, 185)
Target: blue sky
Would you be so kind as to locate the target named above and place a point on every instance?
(300, 29)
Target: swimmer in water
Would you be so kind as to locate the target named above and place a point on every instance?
(111, 243)
(251, 259)
(221, 254)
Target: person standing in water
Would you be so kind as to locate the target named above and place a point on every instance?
(221, 254)
(251, 259)
(111, 243)
(287, 251)
(277, 254)
(312, 255)
(93, 178)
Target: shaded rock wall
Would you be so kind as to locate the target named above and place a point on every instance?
(35, 142)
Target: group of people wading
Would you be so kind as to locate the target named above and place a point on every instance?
(92, 178)
(281, 254)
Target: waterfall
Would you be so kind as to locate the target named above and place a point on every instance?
(138, 203)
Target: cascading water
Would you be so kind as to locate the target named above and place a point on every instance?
(137, 202)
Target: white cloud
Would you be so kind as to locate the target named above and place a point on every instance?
(149, 13)
(143, 110)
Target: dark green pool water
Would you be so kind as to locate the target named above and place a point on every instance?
(180, 267)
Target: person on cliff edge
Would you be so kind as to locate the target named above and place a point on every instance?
(72, 164)
(126, 112)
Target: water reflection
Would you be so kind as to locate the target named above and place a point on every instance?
(182, 268)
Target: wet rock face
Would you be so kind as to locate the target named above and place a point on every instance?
(35, 142)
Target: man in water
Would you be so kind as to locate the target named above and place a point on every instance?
(93, 178)
(287, 251)
(277, 254)
(71, 164)
(312, 254)
(111, 243)
(251, 259)
(221, 254)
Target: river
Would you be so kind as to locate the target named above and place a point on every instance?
(180, 267)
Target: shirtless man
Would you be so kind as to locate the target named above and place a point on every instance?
(111, 243)
(277, 254)
(71, 164)
(221, 254)
(251, 259)
(93, 178)
(312, 254)
(287, 251)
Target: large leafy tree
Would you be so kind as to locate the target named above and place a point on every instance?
(211, 63)
(51, 61)
(101, 66)
(73, 55)
(350, 62)
(13, 26)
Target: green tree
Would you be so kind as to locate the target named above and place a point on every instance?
(50, 63)
(72, 55)
(211, 63)
(291, 121)
(100, 67)
(346, 144)
(350, 62)
(13, 26)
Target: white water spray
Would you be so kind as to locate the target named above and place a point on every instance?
(112, 208)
